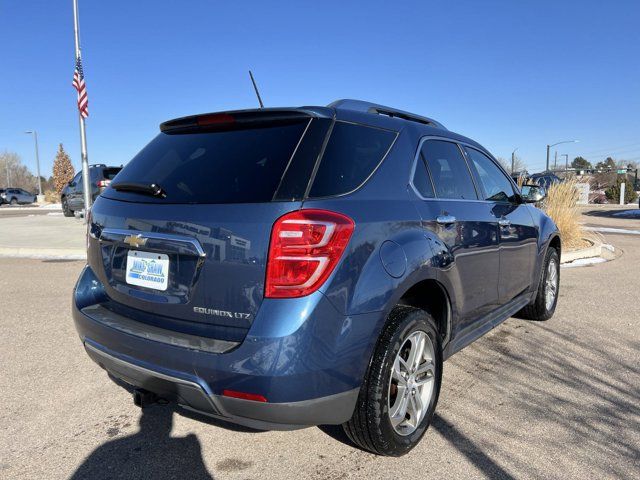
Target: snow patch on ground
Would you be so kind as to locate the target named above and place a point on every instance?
(33, 208)
(628, 213)
(583, 262)
(45, 256)
(612, 230)
(54, 214)
(52, 206)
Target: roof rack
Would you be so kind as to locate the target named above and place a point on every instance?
(368, 107)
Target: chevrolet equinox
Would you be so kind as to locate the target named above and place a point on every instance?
(288, 267)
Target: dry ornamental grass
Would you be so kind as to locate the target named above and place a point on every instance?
(561, 204)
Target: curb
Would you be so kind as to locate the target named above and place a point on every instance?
(61, 253)
(595, 250)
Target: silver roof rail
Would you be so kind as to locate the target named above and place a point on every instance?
(368, 107)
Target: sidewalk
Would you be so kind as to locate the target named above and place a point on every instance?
(42, 236)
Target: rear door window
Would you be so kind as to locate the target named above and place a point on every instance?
(449, 170)
(352, 154)
(229, 166)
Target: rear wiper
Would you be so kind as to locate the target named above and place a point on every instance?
(143, 188)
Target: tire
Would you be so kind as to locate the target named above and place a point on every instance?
(371, 426)
(539, 309)
(66, 211)
(14, 201)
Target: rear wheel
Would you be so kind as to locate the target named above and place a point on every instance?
(544, 304)
(67, 212)
(399, 394)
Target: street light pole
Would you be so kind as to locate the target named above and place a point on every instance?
(566, 161)
(35, 137)
(555, 161)
(547, 168)
(558, 143)
(513, 160)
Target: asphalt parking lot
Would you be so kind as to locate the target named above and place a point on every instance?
(556, 399)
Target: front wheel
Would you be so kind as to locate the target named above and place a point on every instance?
(544, 304)
(399, 394)
(14, 201)
(66, 211)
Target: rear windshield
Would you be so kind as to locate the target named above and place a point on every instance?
(110, 173)
(237, 166)
(351, 156)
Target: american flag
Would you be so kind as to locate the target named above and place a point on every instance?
(78, 84)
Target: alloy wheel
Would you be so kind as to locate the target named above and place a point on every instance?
(412, 383)
(551, 284)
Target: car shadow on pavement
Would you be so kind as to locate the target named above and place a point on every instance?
(578, 395)
(611, 213)
(150, 453)
(473, 452)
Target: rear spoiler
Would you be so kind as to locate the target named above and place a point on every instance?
(241, 119)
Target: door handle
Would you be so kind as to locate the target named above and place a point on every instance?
(445, 219)
(504, 222)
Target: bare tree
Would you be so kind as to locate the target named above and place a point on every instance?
(518, 165)
(14, 174)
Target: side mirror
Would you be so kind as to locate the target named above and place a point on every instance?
(532, 193)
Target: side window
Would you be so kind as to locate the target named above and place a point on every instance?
(422, 180)
(496, 185)
(449, 170)
(352, 154)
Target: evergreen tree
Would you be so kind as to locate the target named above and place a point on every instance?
(580, 163)
(63, 170)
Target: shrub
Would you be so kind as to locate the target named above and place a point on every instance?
(561, 204)
(598, 198)
(613, 192)
(51, 196)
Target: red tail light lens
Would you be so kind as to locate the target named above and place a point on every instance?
(103, 183)
(306, 245)
(244, 396)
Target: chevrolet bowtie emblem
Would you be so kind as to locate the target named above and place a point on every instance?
(135, 240)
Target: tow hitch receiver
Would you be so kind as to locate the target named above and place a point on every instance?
(143, 398)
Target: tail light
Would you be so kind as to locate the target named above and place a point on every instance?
(103, 183)
(305, 247)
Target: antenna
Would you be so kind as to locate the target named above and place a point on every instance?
(255, 87)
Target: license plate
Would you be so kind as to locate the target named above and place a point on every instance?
(146, 269)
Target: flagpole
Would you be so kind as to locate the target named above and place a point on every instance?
(83, 133)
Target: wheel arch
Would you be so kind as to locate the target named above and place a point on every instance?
(556, 243)
(431, 296)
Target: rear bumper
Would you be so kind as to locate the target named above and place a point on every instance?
(192, 394)
(304, 357)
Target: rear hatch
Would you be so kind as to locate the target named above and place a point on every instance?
(180, 239)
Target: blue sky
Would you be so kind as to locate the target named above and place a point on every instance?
(506, 73)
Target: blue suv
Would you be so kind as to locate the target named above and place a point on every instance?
(282, 268)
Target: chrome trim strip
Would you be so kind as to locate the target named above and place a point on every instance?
(156, 236)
